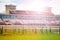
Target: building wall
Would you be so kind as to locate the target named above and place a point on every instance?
(10, 8)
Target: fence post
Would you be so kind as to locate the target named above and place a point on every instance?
(59, 30)
(46, 30)
(50, 29)
(35, 31)
(42, 30)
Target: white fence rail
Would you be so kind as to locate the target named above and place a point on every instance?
(28, 27)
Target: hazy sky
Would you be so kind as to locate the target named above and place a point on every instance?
(32, 4)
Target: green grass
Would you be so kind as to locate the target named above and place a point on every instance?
(31, 37)
(50, 37)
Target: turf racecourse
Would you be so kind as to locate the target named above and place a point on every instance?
(31, 37)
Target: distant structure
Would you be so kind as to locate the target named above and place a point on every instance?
(46, 11)
(10, 8)
(46, 17)
(28, 22)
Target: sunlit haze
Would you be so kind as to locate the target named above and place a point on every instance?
(35, 5)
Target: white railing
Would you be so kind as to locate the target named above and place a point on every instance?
(28, 27)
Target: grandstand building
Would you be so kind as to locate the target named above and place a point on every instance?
(24, 19)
